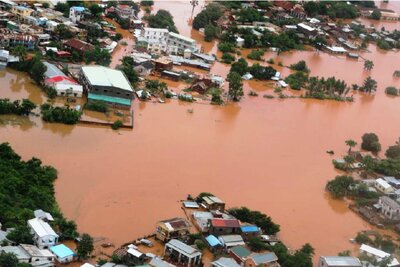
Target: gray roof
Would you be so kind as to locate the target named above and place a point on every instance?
(157, 262)
(341, 261)
(52, 70)
(17, 250)
(264, 258)
(103, 76)
(387, 201)
(225, 262)
(182, 247)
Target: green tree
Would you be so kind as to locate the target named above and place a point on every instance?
(393, 152)
(241, 67)
(63, 32)
(349, 160)
(369, 85)
(370, 142)
(96, 10)
(8, 259)
(350, 143)
(20, 52)
(209, 15)
(128, 70)
(263, 221)
(210, 32)
(340, 186)
(376, 14)
(235, 86)
(62, 7)
(146, 2)
(85, 246)
(21, 235)
(368, 65)
(162, 19)
(300, 66)
(256, 244)
(227, 58)
(37, 70)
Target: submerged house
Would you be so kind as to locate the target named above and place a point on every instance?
(172, 228)
(213, 203)
(64, 85)
(63, 253)
(182, 254)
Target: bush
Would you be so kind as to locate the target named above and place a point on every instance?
(207, 16)
(270, 61)
(200, 244)
(391, 90)
(297, 80)
(393, 152)
(256, 54)
(99, 106)
(300, 66)
(226, 48)
(263, 221)
(210, 32)
(227, 58)
(340, 186)
(64, 115)
(16, 107)
(370, 142)
(117, 124)
(253, 93)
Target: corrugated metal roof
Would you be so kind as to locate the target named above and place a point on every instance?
(249, 228)
(225, 223)
(41, 228)
(240, 251)
(342, 261)
(103, 76)
(52, 70)
(183, 248)
(213, 241)
(62, 251)
(264, 258)
(225, 262)
(110, 99)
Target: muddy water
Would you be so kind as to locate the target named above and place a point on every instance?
(266, 154)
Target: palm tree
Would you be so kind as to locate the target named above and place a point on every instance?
(368, 65)
(349, 160)
(20, 52)
(369, 85)
(351, 143)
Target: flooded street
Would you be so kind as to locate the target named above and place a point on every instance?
(266, 154)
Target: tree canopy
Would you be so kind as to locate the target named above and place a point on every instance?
(255, 217)
(162, 19)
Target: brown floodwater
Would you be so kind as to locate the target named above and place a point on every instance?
(266, 154)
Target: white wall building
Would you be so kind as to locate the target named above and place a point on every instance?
(383, 186)
(76, 13)
(163, 41)
(43, 235)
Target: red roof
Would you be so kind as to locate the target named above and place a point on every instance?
(286, 5)
(62, 53)
(225, 223)
(57, 79)
(79, 45)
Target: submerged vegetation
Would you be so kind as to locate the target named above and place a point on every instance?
(64, 115)
(16, 107)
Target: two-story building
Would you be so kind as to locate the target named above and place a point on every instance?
(124, 11)
(43, 235)
(76, 13)
(389, 208)
(21, 11)
(172, 228)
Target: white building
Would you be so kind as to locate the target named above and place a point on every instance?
(163, 41)
(378, 254)
(339, 261)
(63, 253)
(43, 235)
(389, 208)
(383, 186)
(76, 13)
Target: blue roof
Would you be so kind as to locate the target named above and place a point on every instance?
(110, 99)
(78, 8)
(249, 228)
(62, 251)
(213, 241)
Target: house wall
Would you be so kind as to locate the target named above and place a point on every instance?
(251, 263)
(44, 242)
(65, 259)
(223, 230)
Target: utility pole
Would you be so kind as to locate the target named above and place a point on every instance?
(194, 3)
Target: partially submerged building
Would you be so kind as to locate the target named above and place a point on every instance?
(213, 203)
(64, 85)
(182, 253)
(172, 228)
(219, 226)
(108, 85)
(63, 253)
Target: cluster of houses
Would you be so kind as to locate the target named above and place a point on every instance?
(46, 250)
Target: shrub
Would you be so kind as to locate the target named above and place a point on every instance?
(391, 90)
(64, 115)
(226, 47)
(252, 93)
(256, 54)
(117, 124)
(99, 106)
(370, 142)
(340, 186)
(300, 66)
(227, 58)
(270, 61)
